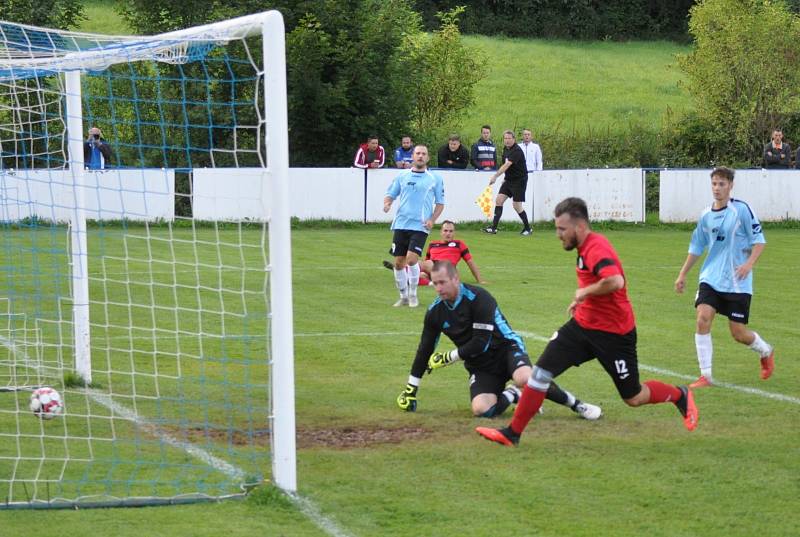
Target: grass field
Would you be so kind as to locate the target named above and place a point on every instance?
(374, 470)
(566, 86)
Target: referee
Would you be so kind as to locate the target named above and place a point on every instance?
(514, 184)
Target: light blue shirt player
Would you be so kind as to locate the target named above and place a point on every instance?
(729, 234)
(416, 192)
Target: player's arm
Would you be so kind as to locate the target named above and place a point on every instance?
(407, 400)
(680, 282)
(474, 269)
(611, 279)
(483, 312)
(744, 269)
(437, 212)
(391, 194)
(506, 165)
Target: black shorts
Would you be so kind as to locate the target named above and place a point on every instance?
(734, 306)
(514, 189)
(573, 345)
(404, 240)
(493, 378)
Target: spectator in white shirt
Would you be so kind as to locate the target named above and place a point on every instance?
(532, 151)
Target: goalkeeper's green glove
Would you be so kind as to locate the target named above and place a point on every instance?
(407, 400)
(442, 359)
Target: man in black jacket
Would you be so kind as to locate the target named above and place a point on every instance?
(453, 154)
(777, 153)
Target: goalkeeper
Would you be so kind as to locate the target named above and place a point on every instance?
(491, 351)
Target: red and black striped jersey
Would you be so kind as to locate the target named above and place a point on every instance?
(613, 312)
(452, 251)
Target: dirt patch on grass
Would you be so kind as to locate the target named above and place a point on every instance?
(314, 437)
(356, 437)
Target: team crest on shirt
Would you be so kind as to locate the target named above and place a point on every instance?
(581, 264)
(451, 244)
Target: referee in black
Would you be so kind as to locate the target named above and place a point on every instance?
(492, 352)
(514, 183)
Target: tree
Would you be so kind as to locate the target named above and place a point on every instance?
(61, 14)
(449, 72)
(744, 70)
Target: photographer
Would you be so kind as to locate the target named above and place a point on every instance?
(96, 151)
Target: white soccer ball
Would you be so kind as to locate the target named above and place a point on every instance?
(46, 403)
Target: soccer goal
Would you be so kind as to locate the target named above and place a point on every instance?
(142, 279)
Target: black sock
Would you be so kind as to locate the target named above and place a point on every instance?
(498, 212)
(524, 217)
(556, 394)
(498, 408)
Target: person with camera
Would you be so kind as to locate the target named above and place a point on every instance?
(96, 151)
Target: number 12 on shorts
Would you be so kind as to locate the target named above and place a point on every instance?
(622, 369)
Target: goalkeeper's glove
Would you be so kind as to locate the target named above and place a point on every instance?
(407, 400)
(442, 359)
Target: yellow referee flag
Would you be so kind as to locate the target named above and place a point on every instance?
(484, 201)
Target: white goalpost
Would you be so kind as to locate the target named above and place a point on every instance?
(169, 338)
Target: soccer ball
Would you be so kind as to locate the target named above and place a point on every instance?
(46, 403)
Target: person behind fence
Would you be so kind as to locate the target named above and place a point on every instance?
(453, 154)
(484, 152)
(514, 184)
(370, 154)
(532, 152)
(492, 353)
(731, 233)
(96, 151)
(777, 153)
(404, 154)
(421, 195)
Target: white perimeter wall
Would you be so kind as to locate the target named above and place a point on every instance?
(338, 193)
(772, 194)
(108, 195)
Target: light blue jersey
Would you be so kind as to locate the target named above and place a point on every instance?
(416, 194)
(729, 235)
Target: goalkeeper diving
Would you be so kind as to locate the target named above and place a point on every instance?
(491, 352)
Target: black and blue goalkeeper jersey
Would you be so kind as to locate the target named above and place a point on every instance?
(473, 322)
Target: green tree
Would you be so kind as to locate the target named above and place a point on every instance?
(744, 70)
(46, 13)
(449, 72)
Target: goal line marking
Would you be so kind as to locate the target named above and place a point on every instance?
(304, 505)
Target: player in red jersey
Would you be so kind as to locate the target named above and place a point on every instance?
(447, 249)
(602, 326)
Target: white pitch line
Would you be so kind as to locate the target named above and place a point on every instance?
(304, 505)
(653, 369)
(310, 510)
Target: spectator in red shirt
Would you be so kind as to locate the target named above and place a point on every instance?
(370, 154)
(602, 327)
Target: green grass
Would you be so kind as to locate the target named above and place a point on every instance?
(102, 19)
(551, 85)
(634, 471)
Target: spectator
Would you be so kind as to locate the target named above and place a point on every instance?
(370, 154)
(404, 154)
(453, 154)
(484, 152)
(532, 152)
(777, 153)
(96, 151)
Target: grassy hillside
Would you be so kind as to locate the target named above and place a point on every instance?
(564, 85)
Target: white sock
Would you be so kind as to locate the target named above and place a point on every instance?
(760, 346)
(413, 279)
(512, 394)
(705, 353)
(401, 282)
(570, 398)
